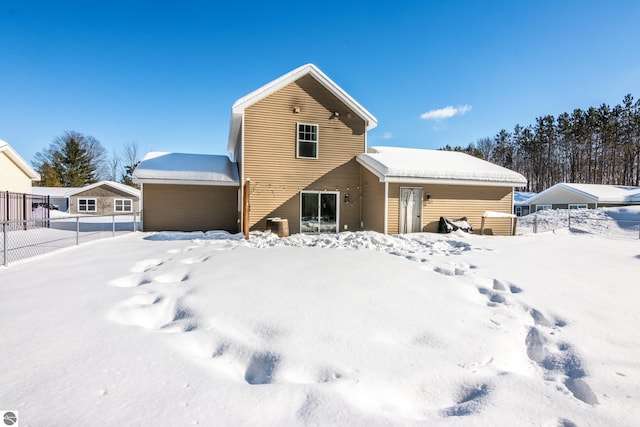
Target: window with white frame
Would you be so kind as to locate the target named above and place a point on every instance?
(87, 205)
(578, 206)
(307, 141)
(543, 207)
(123, 205)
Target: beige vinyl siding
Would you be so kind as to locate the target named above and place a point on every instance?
(12, 178)
(277, 175)
(456, 201)
(105, 197)
(372, 202)
(189, 208)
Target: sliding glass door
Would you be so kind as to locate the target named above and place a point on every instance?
(319, 212)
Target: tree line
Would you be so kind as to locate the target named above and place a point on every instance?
(594, 146)
(75, 160)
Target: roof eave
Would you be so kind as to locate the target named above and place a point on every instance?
(186, 182)
(451, 181)
(20, 162)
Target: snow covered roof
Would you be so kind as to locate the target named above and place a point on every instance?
(237, 111)
(183, 168)
(53, 191)
(522, 197)
(598, 193)
(19, 161)
(122, 187)
(412, 165)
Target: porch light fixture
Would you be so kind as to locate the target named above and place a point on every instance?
(428, 197)
(296, 109)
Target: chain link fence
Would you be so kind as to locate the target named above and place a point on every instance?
(580, 221)
(24, 239)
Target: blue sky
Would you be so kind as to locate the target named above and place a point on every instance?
(164, 75)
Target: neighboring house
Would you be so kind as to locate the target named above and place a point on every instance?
(57, 196)
(188, 192)
(16, 175)
(407, 190)
(298, 147)
(104, 198)
(521, 202)
(584, 196)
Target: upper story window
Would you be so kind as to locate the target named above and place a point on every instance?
(87, 205)
(307, 141)
(123, 205)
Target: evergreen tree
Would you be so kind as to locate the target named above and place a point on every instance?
(598, 146)
(48, 176)
(76, 159)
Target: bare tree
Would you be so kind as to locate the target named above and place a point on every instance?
(485, 146)
(131, 158)
(113, 166)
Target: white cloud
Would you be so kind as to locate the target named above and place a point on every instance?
(446, 112)
(387, 135)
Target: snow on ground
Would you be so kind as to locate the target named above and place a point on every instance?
(347, 329)
(615, 222)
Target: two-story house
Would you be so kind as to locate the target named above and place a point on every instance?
(295, 141)
(299, 147)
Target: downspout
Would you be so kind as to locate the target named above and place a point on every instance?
(242, 180)
(386, 206)
(361, 199)
(245, 208)
(140, 208)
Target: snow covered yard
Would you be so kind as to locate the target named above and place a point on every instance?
(347, 329)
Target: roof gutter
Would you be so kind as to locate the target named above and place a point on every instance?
(186, 182)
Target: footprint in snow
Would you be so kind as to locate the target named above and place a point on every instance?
(563, 361)
(471, 401)
(262, 368)
(494, 298)
(154, 312)
(130, 281)
(145, 265)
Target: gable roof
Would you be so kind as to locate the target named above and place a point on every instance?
(122, 187)
(237, 111)
(597, 193)
(183, 168)
(19, 161)
(413, 165)
(521, 198)
(53, 191)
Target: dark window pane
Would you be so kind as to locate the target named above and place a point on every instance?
(306, 149)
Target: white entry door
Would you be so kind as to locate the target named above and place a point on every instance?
(410, 210)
